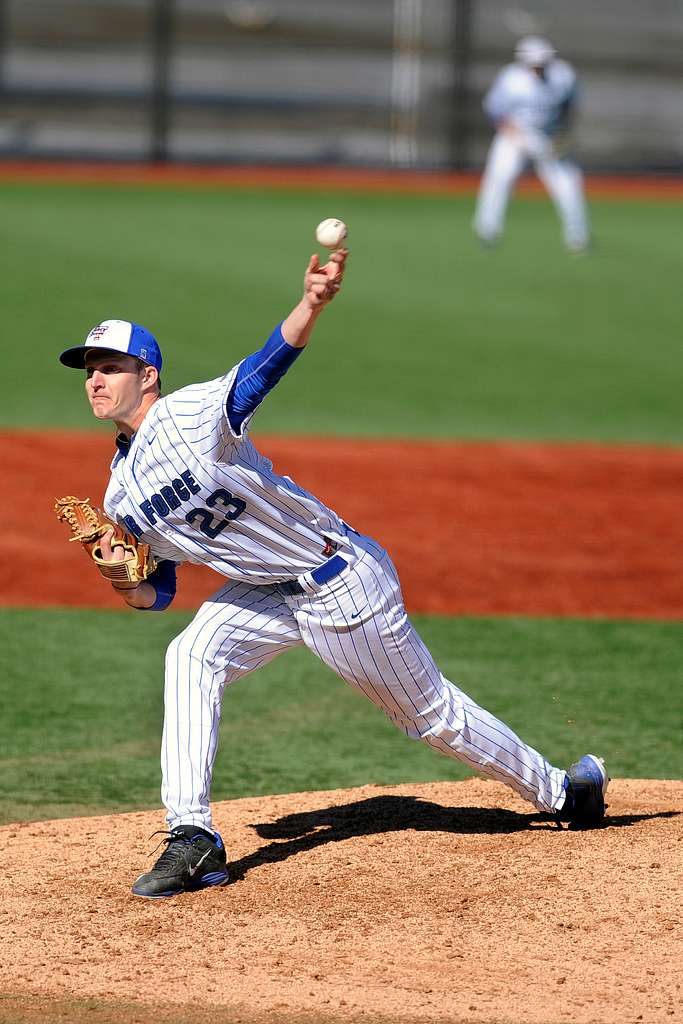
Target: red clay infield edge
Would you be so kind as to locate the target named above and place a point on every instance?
(474, 528)
(196, 175)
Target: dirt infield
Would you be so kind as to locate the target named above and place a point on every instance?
(316, 178)
(423, 903)
(412, 904)
(563, 529)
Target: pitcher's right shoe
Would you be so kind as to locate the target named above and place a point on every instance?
(586, 785)
(193, 859)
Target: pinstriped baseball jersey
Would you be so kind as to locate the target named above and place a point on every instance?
(196, 491)
(191, 484)
(528, 101)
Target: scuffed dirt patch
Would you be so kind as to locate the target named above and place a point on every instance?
(440, 902)
(539, 529)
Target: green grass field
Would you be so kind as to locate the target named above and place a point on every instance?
(433, 337)
(81, 720)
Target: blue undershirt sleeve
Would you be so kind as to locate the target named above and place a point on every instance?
(163, 579)
(257, 375)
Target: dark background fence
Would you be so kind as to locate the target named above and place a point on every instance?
(371, 83)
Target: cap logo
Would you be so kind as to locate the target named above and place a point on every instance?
(143, 353)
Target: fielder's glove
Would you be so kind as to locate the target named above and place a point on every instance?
(562, 145)
(88, 525)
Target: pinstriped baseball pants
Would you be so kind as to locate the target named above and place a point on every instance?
(561, 177)
(357, 625)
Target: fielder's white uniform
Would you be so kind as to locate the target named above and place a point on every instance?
(198, 491)
(528, 109)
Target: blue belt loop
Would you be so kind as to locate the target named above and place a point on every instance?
(329, 569)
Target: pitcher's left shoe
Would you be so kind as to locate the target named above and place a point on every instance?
(586, 785)
(194, 858)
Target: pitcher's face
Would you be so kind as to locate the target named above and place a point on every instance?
(115, 384)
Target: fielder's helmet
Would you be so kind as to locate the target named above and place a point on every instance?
(534, 51)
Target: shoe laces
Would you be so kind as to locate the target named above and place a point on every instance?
(176, 848)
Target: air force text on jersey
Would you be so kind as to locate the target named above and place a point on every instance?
(222, 506)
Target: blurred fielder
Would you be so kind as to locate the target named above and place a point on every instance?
(530, 104)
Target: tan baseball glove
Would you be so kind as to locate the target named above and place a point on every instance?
(89, 525)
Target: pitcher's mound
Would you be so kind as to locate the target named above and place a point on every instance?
(441, 902)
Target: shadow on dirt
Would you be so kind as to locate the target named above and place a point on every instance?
(298, 833)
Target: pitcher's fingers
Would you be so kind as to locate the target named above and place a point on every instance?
(338, 258)
(115, 553)
(335, 267)
(318, 278)
(105, 544)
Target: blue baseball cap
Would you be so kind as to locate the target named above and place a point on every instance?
(116, 336)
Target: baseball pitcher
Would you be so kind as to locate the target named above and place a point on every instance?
(188, 484)
(530, 104)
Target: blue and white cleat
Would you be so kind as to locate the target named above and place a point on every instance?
(586, 784)
(193, 859)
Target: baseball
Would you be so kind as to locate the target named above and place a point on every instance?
(331, 232)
